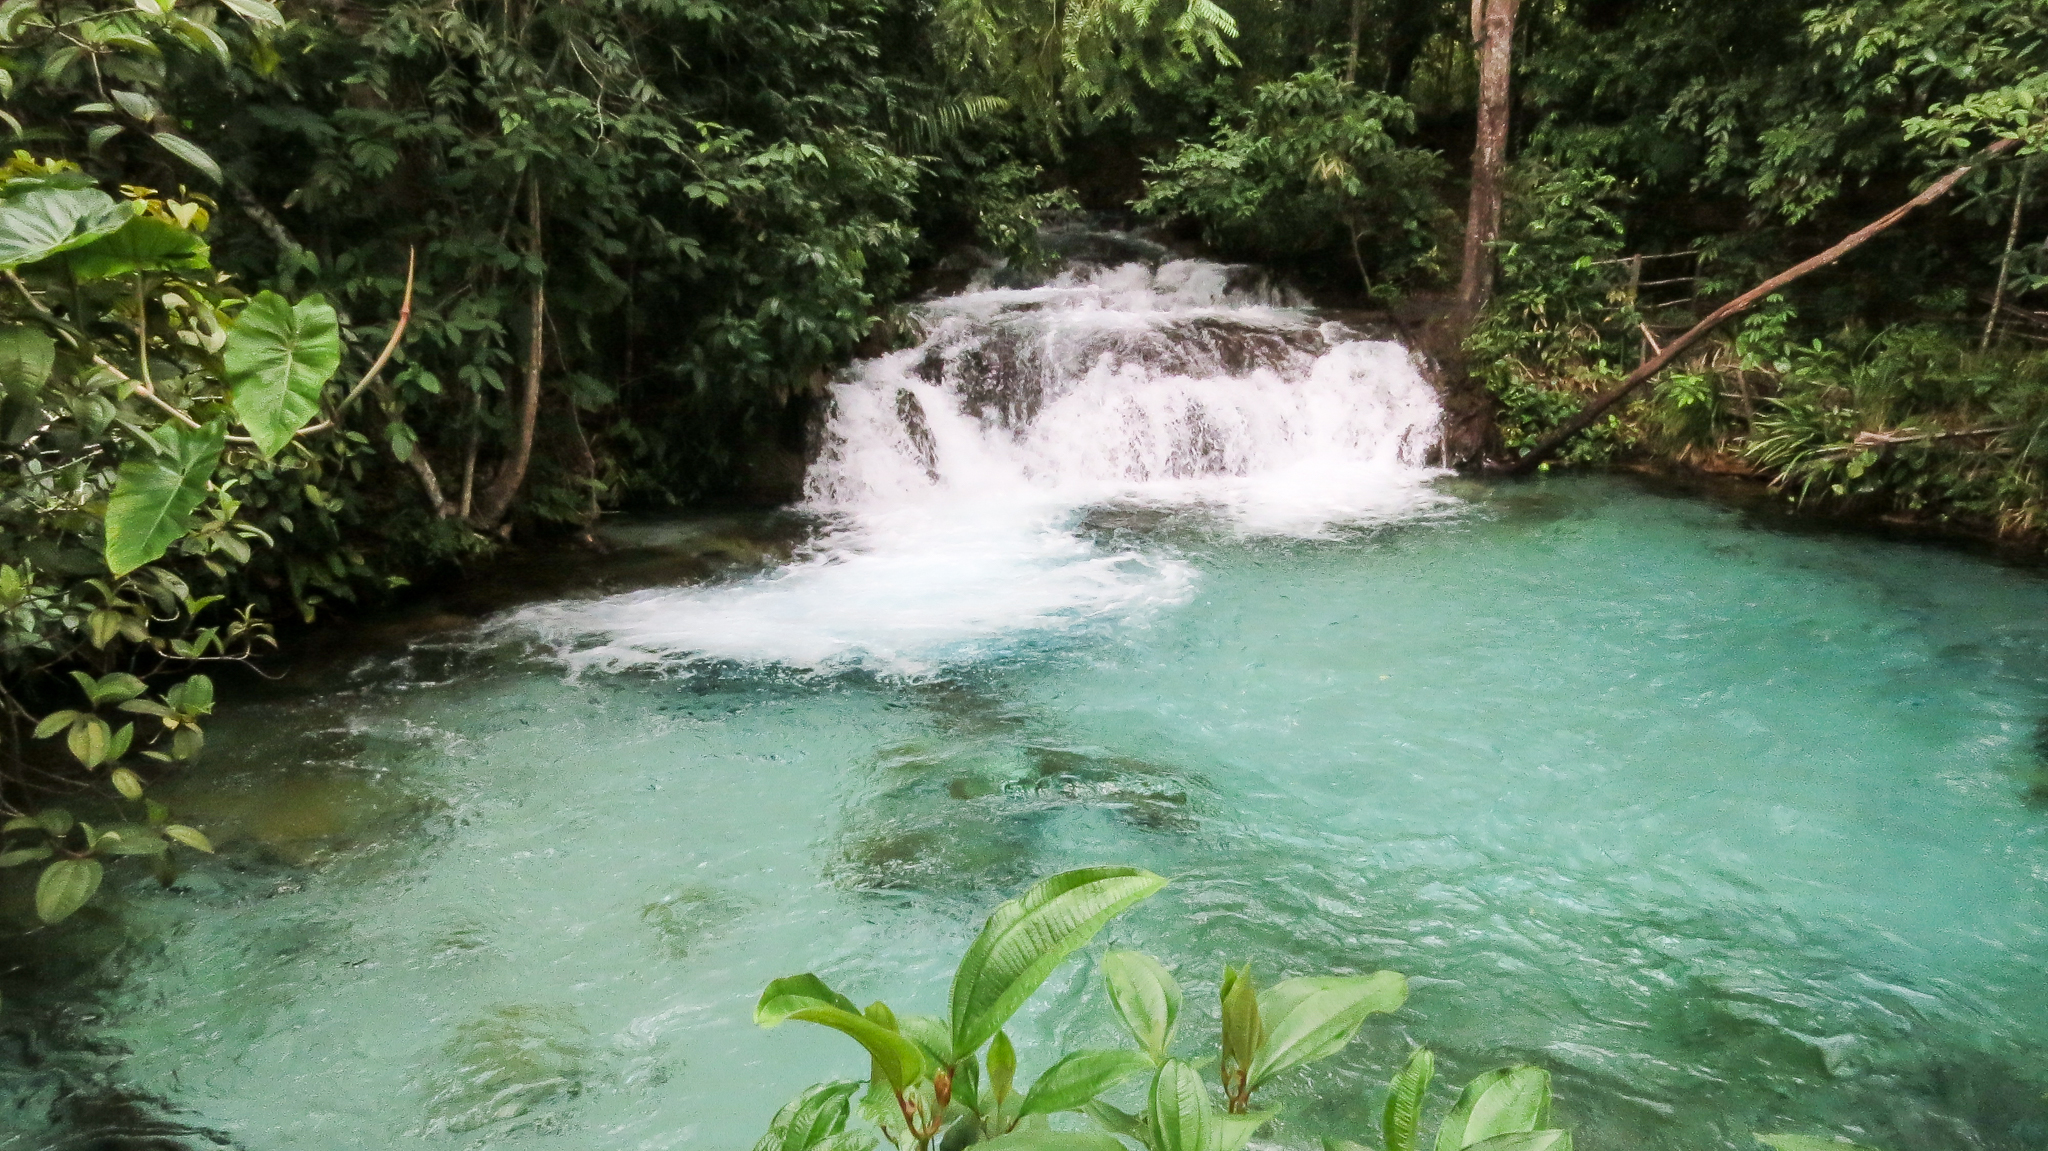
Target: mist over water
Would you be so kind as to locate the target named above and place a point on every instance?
(955, 473)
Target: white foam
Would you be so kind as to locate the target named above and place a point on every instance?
(960, 468)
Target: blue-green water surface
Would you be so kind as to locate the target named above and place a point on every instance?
(1728, 827)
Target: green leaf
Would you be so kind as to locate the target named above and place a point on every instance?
(1078, 1078)
(144, 244)
(189, 152)
(89, 740)
(1243, 1031)
(64, 887)
(278, 357)
(1401, 1121)
(1002, 1066)
(1808, 1143)
(1183, 1115)
(1547, 1140)
(807, 998)
(1051, 1141)
(258, 12)
(1117, 1121)
(124, 737)
(1314, 1017)
(130, 839)
(21, 823)
(23, 855)
(1504, 1101)
(191, 837)
(1146, 997)
(26, 356)
(127, 782)
(1234, 1131)
(116, 687)
(55, 820)
(809, 1119)
(44, 222)
(155, 494)
(55, 722)
(1025, 938)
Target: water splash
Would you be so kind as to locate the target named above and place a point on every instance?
(956, 472)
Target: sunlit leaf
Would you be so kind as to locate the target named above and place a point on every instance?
(45, 222)
(278, 356)
(189, 152)
(1401, 1119)
(64, 888)
(810, 1119)
(1504, 1101)
(1182, 1112)
(1146, 998)
(807, 998)
(144, 244)
(1026, 937)
(191, 837)
(1314, 1017)
(1078, 1078)
(155, 493)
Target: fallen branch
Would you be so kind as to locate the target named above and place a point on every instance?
(1886, 439)
(1548, 445)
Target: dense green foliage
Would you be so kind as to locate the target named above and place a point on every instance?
(306, 302)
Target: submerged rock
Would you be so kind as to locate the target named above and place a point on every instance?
(509, 1067)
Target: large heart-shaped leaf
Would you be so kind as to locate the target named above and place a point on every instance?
(1314, 1017)
(1184, 1117)
(278, 357)
(26, 356)
(1147, 999)
(810, 1119)
(1401, 1120)
(155, 493)
(144, 244)
(64, 887)
(1504, 1101)
(807, 998)
(1026, 937)
(1077, 1079)
(46, 221)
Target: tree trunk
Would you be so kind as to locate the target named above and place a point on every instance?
(1357, 30)
(1549, 444)
(497, 498)
(1493, 37)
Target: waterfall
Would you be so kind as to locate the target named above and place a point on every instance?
(956, 474)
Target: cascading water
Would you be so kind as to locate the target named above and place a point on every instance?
(955, 472)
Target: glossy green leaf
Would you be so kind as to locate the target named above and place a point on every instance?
(1401, 1119)
(127, 782)
(22, 855)
(64, 887)
(1146, 997)
(48, 221)
(189, 152)
(1546, 1140)
(89, 739)
(810, 1119)
(1002, 1066)
(130, 839)
(1242, 1029)
(1078, 1078)
(55, 722)
(155, 493)
(1184, 1117)
(807, 998)
(1026, 937)
(258, 12)
(1504, 1101)
(144, 244)
(1314, 1017)
(1117, 1121)
(1234, 1131)
(26, 356)
(191, 837)
(278, 356)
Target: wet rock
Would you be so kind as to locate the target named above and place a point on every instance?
(509, 1067)
(687, 916)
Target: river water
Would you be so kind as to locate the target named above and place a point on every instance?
(1727, 825)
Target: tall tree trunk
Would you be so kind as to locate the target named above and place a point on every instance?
(1357, 31)
(1493, 37)
(497, 498)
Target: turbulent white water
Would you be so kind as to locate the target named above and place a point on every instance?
(957, 471)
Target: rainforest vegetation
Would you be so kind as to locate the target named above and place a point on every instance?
(305, 302)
